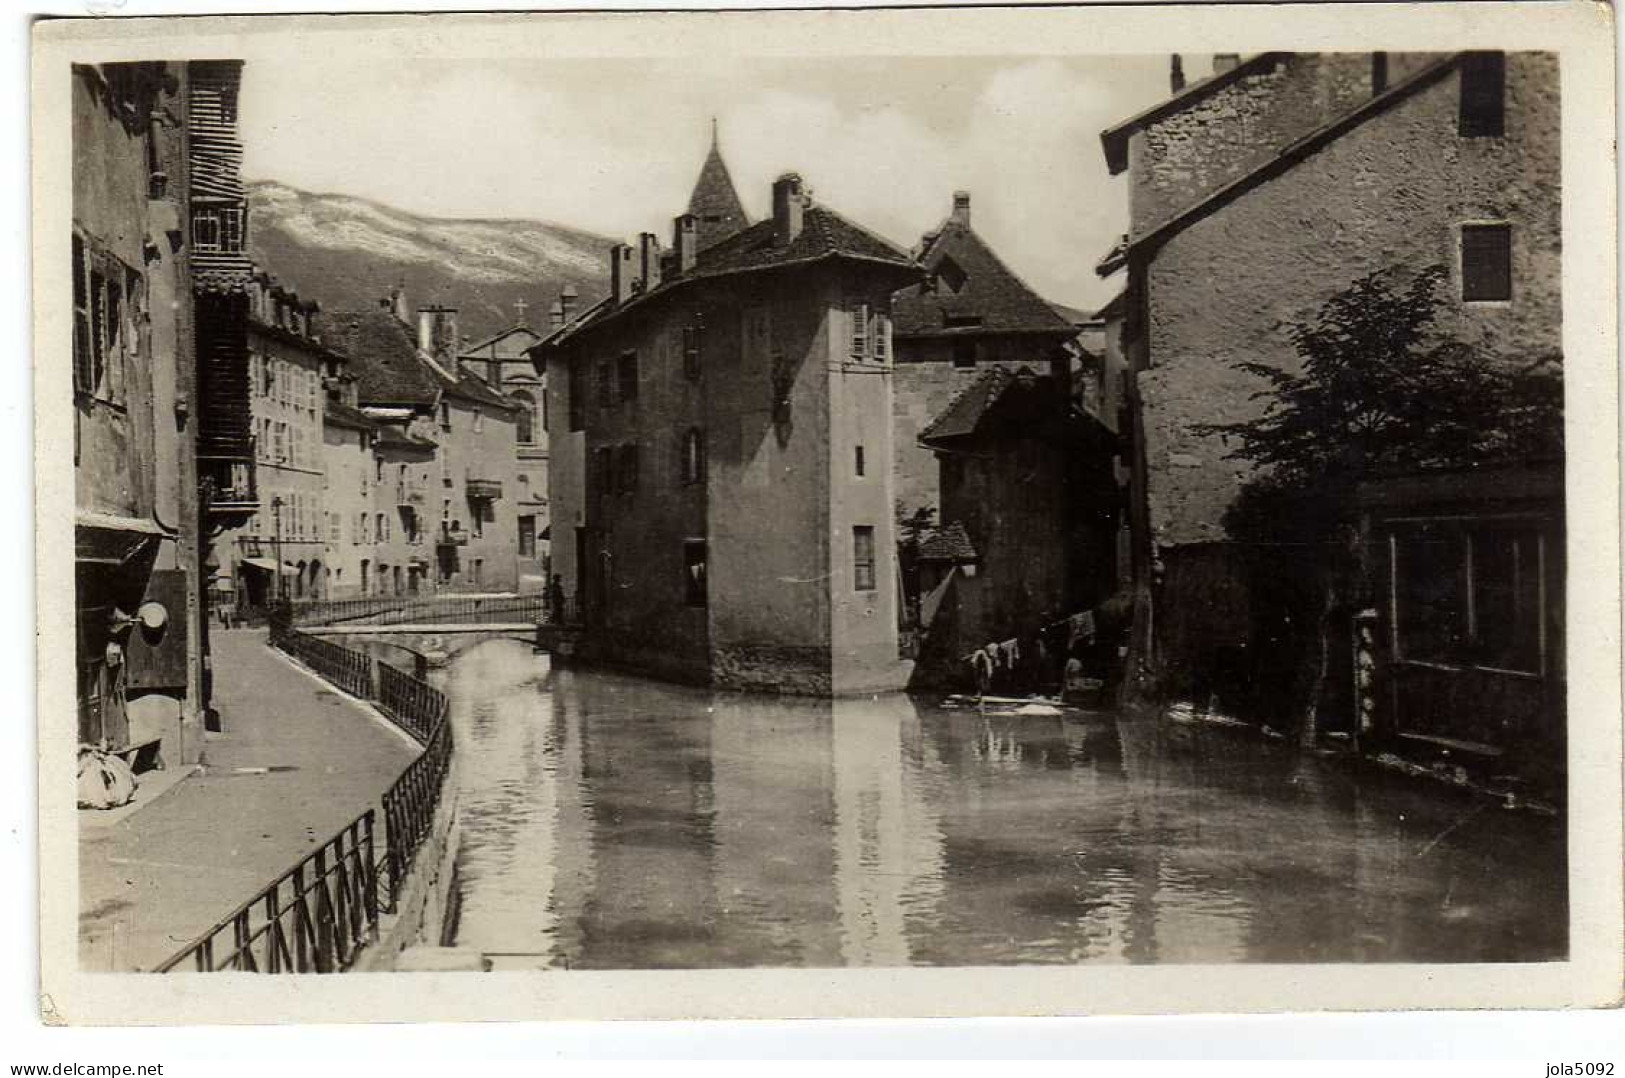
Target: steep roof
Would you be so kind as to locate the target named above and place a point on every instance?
(825, 235)
(473, 351)
(714, 201)
(968, 407)
(1289, 156)
(948, 543)
(968, 281)
(383, 356)
(471, 387)
(1115, 139)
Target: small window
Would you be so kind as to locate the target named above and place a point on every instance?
(1483, 95)
(445, 416)
(525, 427)
(857, 460)
(863, 558)
(576, 392)
(1379, 73)
(626, 376)
(881, 330)
(964, 354)
(1486, 263)
(694, 572)
(604, 466)
(693, 456)
(950, 274)
(627, 469)
(858, 311)
(527, 537)
(691, 353)
(479, 421)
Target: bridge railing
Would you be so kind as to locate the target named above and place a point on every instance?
(427, 610)
(316, 917)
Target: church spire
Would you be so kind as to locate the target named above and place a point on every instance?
(715, 203)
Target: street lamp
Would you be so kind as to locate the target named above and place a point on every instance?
(281, 584)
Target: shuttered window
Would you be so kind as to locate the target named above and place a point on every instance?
(1486, 262)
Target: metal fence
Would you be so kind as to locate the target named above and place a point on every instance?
(427, 610)
(314, 918)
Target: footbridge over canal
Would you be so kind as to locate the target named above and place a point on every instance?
(438, 627)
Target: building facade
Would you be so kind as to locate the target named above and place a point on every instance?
(161, 442)
(286, 365)
(732, 403)
(971, 314)
(1391, 162)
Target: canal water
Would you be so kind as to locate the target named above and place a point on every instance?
(611, 822)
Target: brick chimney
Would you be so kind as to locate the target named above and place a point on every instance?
(397, 304)
(567, 303)
(788, 207)
(961, 214)
(1176, 74)
(649, 260)
(1225, 61)
(620, 273)
(555, 315)
(685, 234)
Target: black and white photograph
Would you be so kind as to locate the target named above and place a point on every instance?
(826, 491)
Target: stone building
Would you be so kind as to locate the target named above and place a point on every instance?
(970, 315)
(286, 365)
(503, 362)
(442, 474)
(160, 441)
(1255, 196)
(348, 435)
(1030, 505)
(732, 407)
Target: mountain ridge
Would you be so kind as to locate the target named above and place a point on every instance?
(346, 252)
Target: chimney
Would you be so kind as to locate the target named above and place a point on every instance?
(788, 207)
(620, 273)
(437, 333)
(397, 304)
(426, 330)
(961, 214)
(1225, 61)
(1176, 74)
(555, 315)
(686, 238)
(649, 260)
(567, 304)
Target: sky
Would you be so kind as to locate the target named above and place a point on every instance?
(614, 146)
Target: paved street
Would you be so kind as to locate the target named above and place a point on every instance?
(155, 880)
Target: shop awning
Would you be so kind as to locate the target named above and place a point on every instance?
(268, 566)
(111, 539)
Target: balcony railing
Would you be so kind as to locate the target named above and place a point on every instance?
(409, 494)
(452, 537)
(234, 489)
(484, 489)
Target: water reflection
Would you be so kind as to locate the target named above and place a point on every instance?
(612, 822)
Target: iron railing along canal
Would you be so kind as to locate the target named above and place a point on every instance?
(317, 916)
(427, 610)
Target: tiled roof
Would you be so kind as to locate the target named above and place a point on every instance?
(383, 356)
(473, 351)
(340, 414)
(948, 543)
(824, 234)
(988, 291)
(471, 387)
(965, 411)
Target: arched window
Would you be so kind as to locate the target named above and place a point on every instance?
(693, 455)
(527, 417)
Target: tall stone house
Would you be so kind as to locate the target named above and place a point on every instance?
(732, 400)
(286, 366)
(161, 442)
(1257, 194)
(970, 315)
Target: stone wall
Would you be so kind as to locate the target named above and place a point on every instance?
(1392, 192)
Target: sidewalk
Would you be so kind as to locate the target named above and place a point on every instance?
(153, 881)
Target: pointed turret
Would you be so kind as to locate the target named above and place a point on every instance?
(714, 203)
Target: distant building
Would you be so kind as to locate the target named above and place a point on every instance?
(1255, 196)
(286, 366)
(970, 315)
(1030, 507)
(161, 442)
(731, 401)
(503, 362)
(442, 478)
(348, 435)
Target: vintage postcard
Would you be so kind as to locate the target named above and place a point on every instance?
(982, 511)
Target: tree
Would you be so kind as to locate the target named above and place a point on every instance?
(1378, 390)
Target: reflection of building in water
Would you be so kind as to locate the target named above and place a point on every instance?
(888, 845)
(775, 865)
